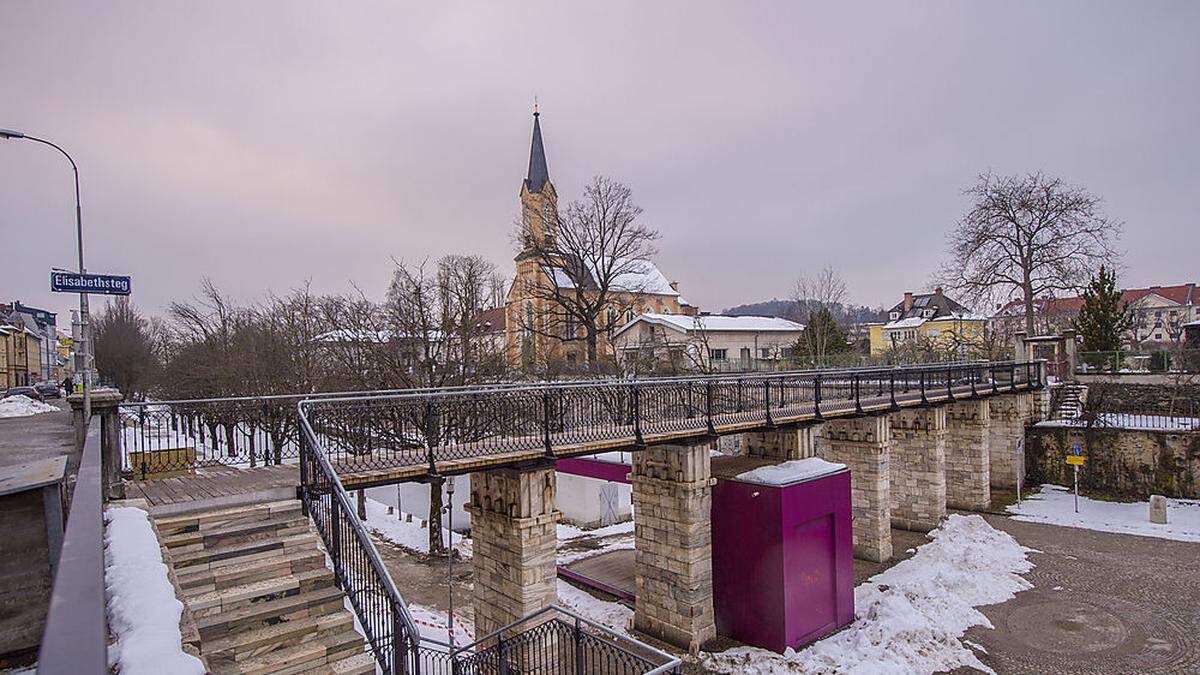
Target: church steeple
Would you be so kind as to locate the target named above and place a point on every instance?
(538, 174)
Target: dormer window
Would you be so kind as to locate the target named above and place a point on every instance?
(894, 316)
(927, 312)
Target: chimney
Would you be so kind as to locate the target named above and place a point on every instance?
(675, 286)
(907, 300)
(937, 291)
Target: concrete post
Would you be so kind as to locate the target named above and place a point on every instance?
(672, 504)
(864, 445)
(1068, 338)
(784, 444)
(1020, 352)
(105, 405)
(514, 528)
(1007, 427)
(918, 471)
(968, 434)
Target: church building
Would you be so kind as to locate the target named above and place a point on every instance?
(539, 332)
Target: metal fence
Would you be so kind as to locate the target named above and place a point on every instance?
(1176, 360)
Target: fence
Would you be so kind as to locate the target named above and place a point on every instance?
(1178, 360)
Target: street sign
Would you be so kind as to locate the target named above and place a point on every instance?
(101, 284)
(1076, 460)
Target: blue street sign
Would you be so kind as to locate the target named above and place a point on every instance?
(102, 284)
(1078, 449)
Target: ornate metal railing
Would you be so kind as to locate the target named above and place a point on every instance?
(553, 640)
(427, 430)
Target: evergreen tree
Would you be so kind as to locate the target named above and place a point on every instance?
(1104, 316)
(822, 336)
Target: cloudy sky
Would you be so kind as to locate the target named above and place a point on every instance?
(265, 144)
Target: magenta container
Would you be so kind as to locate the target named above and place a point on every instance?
(782, 557)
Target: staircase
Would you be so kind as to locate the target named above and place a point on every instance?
(255, 582)
(1071, 399)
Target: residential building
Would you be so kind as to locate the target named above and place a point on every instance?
(538, 333)
(1160, 313)
(30, 328)
(22, 359)
(929, 318)
(654, 342)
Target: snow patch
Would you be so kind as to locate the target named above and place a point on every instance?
(611, 614)
(572, 532)
(1055, 505)
(910, 617)
(143, 612)
(411, 536)
(794, 471)
(23, 406)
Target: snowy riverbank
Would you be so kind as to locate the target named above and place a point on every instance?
(1055, 505)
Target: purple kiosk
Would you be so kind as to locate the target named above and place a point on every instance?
(782, 553)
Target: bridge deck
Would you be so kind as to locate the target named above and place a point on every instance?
(354, 475)
(213, 487)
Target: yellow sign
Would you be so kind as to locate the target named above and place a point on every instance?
(1076, 459)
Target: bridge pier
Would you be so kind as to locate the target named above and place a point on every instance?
(784, 444)
(1007, 426)
(968, 426)
(514, 527)
(864, 445)
(672, 504)
(918, 468)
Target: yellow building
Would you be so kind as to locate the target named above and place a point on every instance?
(20, 356)
(538, 333)
(930, 320)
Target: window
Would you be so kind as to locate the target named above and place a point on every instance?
(1158, 336)
(764, 352)
(570, 326)
(717, 354)
(528, 317)
(894, 315)
(927, 313)
(612, 316)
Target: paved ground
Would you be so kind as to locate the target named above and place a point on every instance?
(33, 437)
(1101, 603)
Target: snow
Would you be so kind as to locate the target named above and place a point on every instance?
(910, 618)
(572, 532)
(794, 471)
(411, 536)
(614, 615)
(433, 625)
(714, 323)
(1055, 505)
(1131, 422)
(143, 612)
(23, 406)
(613, 544)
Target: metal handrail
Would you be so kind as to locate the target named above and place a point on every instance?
(75, 638)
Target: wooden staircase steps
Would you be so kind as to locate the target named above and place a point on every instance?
(255, 581)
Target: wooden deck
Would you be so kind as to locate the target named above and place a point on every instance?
(214, 487)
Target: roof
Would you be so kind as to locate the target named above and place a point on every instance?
(716, 323)
(940, 303)
(538, 174)
(643, 276)
(1181, 294)
(493, 320)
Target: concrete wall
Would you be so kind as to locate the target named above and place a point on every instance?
(591, 502)
(24, 571)
(414, 498)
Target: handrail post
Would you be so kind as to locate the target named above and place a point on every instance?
(708, 404)
(335, 538)
(501, 648)
(923, 399)
(892, 388)
(578, 648)
(767, 401)
(856, 383)
(637, 416)
(1012, 376)
(399, 646)
(817, 397)
(974, 379)
(949, 383)
(546, 422)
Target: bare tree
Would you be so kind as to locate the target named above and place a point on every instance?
(126, 346)
(594, 259)
(816, 301)
(1028, 236)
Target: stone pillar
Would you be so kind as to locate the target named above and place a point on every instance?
(1007, 427)
(968, 433)
(1072, 354)
(672, 504)
(918, 471)
(784, 444)
(864, 445)
(105, 406)
(514, 528)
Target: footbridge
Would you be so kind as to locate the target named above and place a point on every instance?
(918, 440)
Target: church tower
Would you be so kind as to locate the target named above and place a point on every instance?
(539, 201)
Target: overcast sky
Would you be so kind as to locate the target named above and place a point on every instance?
(263, 144)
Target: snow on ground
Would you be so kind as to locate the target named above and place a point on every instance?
(434, 628)
(611, 614)
(1056, 505)
(909, 618)
(610, 544)
(572, 532)
(23, 406)
(407, 535)
(143, 612)
(1131, 421)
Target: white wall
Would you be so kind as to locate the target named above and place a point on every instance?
(591, 502)
(414, 498)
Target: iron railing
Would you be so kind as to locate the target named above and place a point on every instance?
(75, 638)
(435, 430)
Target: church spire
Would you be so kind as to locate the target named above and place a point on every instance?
(538, 175)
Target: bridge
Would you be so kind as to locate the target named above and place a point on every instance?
(918, 439)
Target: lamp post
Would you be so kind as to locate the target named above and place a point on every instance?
(85, 328)
(449, 508)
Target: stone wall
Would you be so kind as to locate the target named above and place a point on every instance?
(1007, 423)
(1145, 398)
(1120, 462)
(968, 433)
(864, 445)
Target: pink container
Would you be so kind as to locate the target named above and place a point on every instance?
(782, 556)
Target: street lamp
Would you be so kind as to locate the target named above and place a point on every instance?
(83, 299)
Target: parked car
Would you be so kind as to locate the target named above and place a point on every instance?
(31, 392)
(48, 390)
